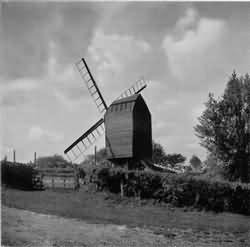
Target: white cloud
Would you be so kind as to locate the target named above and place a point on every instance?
(21, 84)
(170, 102)
(197, 51)
(188, 19)
(63, 80)
(15, 92)
(37, 133)
(113, 52)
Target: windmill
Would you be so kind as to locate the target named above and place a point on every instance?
(126, 123)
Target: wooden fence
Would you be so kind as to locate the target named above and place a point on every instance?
(59, 178)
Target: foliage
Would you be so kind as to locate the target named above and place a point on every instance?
(195, 163)
(19, 176)
(159, 154)
(160, 157)
(82, 173)
(224, 127)
(101, 155)
(53, 162)
(214, 168)
(173, 159)
(179, 190)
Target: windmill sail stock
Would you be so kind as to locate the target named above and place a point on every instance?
(78, 147)
(91, 85)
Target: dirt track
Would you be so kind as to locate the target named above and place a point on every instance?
(25, 228)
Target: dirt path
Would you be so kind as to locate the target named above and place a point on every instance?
(25, 228)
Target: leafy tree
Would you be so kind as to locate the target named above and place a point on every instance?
(52, 161)
(101, 155)
(214, 167)
(160, 157)
(224, 127)
(195, 163)
(159, 154)
(173, 159)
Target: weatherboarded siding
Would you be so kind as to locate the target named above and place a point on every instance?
(119, 134)
(128, 129)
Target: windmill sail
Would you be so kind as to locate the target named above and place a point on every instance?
(78, 147)
(136, 88)
(91, 85)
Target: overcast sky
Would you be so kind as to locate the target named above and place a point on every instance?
(184, 50)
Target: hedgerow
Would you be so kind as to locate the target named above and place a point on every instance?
(20, 176)
(179, 190)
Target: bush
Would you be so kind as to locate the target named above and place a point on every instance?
(179, 190)
(19, 176)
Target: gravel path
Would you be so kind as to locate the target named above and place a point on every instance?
(25, 228)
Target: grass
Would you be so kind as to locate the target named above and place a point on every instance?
(100, 207)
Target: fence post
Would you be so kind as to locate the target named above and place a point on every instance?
(122, 188)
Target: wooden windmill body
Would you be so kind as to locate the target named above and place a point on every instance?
(126, 123)
(128, 129)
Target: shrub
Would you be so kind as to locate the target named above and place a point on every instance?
(19, 176)
(179, 190)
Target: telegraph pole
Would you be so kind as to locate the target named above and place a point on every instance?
(14, 156)
(95, 156)
(35, 159)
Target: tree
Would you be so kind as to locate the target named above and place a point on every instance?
(101, 155)
(52, 161)
(160, 157)
(173, 159)
(159, 154)
(195, 163)
(214, 167)
(224, 127)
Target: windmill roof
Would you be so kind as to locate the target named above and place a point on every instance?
(127, 99)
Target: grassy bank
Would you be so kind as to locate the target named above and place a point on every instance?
(106, 208)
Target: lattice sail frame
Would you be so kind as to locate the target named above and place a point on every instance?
(91, 85)
(78, 147)
(136, 88)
